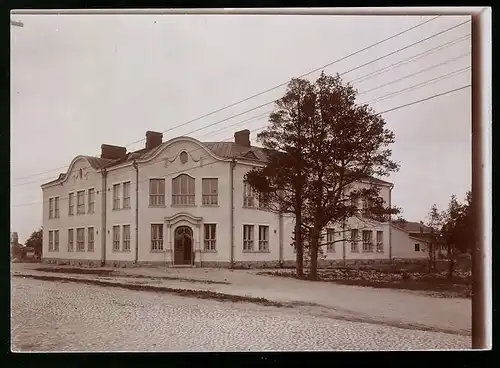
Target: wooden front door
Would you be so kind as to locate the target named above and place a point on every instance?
(183, 245)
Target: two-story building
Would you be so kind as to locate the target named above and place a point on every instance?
(183, 202)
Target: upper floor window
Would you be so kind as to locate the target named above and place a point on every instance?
(80, 202)
(126, 195)
(183, 190)
(209, 189)
(91, 195)
(116, 196)
(51, 208)
(56, 207)
(71, 204)
(248, 196)
(157, 192)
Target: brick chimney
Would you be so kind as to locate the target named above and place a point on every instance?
(113, 152)
(242, 137)
(153, 139)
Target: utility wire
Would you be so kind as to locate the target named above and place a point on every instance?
(211, 163)
(419, 85)
(270, 89)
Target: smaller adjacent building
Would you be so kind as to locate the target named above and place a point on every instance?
(411, 240)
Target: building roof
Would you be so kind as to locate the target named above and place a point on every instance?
(228, 150)
(412, 227)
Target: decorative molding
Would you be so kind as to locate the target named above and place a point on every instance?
(168, 161)
(183, 216)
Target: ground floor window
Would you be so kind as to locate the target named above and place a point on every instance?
(126, 238)
(80, 239)
(209, 236)
(56, 240)
(51, 241)
(354, 240)
(330, 240)
(380, 241)
(247, 237)
(71, 239)
(417, 247)
(263, 238)
(157, 237)
(367, 241)
(90, 239)
(116, 238)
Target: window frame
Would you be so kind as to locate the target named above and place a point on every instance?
(116, 196)
(126, 240)
(160, 197)
(380, 244)
(354, 240)
(264, 242)
(80, 241)
(71, 240)
(90, 239)
(210, 242)
(71, 204)
(115, 233)
(51, 208)
(126, 203)
(183, 199)
(51, 241)
(248, 243)
(82, 204)
(248, 196)
(207, 197)
(91, 200)
(330, 240)
(367, 242)
(157, 244)
(416, 247)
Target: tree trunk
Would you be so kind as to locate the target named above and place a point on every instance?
(451, 262)
(299, 247)
(313, 270)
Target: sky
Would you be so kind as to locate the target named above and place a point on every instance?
(78, 81)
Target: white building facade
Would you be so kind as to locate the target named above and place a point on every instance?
(184, 203)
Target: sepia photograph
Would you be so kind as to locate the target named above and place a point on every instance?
(249, 181)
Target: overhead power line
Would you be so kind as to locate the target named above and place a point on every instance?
(211, 163)
(267, 90)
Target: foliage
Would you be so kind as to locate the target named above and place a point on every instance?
(434, 221)
(36, 241)
(321, 143)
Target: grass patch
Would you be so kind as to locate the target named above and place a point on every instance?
(438, 284)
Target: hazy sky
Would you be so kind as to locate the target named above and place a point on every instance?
(78, 81)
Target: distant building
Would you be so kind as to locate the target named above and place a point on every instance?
(411, 240)
(183, 202)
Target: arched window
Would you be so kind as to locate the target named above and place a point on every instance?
(183, 190)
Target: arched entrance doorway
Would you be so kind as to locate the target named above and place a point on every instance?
(183, 245)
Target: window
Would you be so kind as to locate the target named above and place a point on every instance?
(71, 202)
(330, 240)
(183, 190)
(80, 239)
(116, 238)
(364, 210)
(367, 241)
(354, 240)
(71, 239)
(417, 247)
(157, 192)
(80, 203)
(263, 238)
(209, 236)
(248, 196)
(116, 196)
(56, 240)
(91, 195)
(126, 195)
(51, 241)
(90, 239)
(56, 207)
(209, 191)
(264, 200)
(126, 238)
(380, 241)
(51, 208)
(247, 237)
(157, 237)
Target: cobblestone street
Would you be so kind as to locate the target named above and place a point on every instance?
(55, 316)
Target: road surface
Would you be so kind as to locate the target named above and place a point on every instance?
(63, 316)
